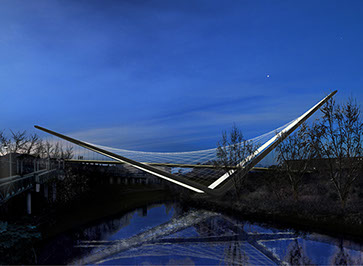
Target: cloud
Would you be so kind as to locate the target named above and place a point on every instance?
(197, 128)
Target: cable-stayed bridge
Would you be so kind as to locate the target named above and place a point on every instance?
(193, 170)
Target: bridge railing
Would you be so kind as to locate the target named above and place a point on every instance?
(19, 172)
(14, 185)
(20, 164)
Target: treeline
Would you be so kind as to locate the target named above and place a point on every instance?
(331, 146)
(31, 144)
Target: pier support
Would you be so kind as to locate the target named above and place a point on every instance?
(10, 165)
(29, 203)
(37, 183)
(46, 191)
(54, 190)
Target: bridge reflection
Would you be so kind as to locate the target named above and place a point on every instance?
(203, 237)
(198, 234)
(167, 233)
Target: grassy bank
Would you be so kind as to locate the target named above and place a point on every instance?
(339, 225)
(269, 200)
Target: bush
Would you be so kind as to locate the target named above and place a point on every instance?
(17, 244)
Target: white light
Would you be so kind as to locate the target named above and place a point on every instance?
(263, 147)
(151, 172)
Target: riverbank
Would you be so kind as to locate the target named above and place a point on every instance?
(22, 239)
(108, 200)
(264, 199)
(314, 210)
(338, 225)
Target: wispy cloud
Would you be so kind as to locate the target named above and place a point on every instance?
(193, 129)
(170, 75)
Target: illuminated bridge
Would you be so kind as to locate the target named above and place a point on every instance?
(192, 170)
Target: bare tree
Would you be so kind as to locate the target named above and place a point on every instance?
(31, 143)
(67, 153)
(3, 143)
(57, 151)
(231, 151)
(39, 149)
(18, 141)
(6, 144)
(49, 149)
(341, 145)
(294, 155)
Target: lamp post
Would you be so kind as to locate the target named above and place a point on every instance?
(8, 151)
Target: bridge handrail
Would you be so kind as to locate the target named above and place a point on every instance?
(27, 176)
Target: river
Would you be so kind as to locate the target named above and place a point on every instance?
(170, 234)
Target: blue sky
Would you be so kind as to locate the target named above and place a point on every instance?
(171, 75)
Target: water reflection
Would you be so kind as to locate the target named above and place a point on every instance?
(296, 255)
(167, 234)
(343, 256)
(234, 254)
(202, 236)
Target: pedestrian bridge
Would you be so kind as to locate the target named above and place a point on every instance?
(192, 170)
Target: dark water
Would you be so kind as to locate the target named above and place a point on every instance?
(170, 235)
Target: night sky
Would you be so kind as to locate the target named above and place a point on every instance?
(171, 75)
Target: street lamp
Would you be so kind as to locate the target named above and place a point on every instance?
(8, 151)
